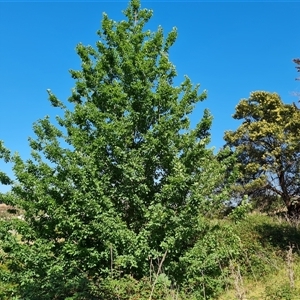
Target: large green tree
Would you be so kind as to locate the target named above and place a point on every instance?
(121, 181)
(268, 149)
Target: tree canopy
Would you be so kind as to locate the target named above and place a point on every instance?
(268, 148)
(121, 180)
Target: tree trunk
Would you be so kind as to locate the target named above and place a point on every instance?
(293, 209)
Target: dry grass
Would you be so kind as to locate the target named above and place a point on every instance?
(272, 286)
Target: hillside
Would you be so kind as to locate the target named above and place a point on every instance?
(265, 266)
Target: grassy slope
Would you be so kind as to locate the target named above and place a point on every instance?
(271, 269)
(268, 267)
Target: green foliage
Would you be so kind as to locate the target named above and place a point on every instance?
(128, 288)
(267, 147)
(241, 211)
(5, 155)
(281, 292)
(257, 257)
(121, 180)
(267, 266)
(264, 244)
(207, 264)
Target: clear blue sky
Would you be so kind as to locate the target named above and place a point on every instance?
(230, 48)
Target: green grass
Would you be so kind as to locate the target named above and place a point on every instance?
(270, 265)
(267, 268)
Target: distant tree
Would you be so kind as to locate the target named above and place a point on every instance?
(122, 181)
(297, 62)
(267, 145)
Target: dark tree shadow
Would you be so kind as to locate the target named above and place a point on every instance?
(280, 236)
